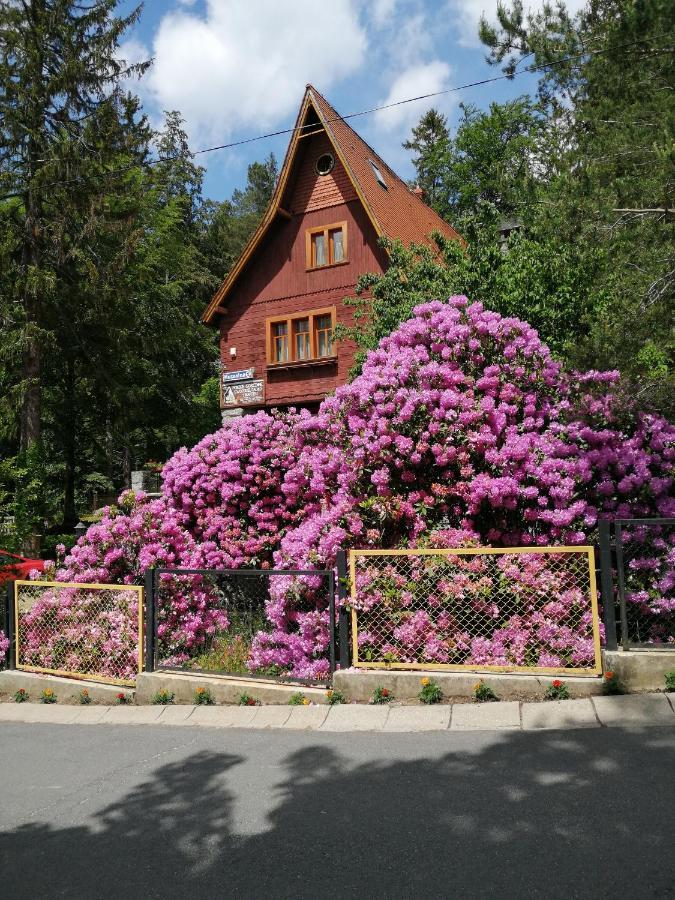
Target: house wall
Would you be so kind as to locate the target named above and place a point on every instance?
(276, 281)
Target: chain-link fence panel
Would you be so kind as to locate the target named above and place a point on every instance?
(494, 609)
(645, 563)
(91, 631)
(241, 615)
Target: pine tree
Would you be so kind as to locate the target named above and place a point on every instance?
(430, 144)
(58, 67)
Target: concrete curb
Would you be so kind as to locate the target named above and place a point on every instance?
(622, 711)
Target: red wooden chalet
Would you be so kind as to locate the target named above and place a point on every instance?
(278, 306)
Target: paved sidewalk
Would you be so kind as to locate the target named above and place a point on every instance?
(595, 712)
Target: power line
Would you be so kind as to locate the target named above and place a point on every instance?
(374, 109)
(529, 70)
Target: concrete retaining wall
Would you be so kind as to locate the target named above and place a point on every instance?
(359, 685)
(224, 690)
(67, 690)
(640, 670)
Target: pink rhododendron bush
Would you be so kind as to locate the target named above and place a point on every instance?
(461, 428)
(227, 489)
(132, 537)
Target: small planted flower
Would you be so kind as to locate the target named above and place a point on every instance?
(203, 697)
(557, 690)
(48, 696)
(381, 695)
(670, 681)
(430, 693)
(247, 700)
(611, 684)
(163, 697)
(335, 697)
(298, 699)
(121, 699)
(84, 698)
(483, 693)
(21, 696)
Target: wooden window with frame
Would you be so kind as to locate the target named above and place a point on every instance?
(326, 245)
(304, 337)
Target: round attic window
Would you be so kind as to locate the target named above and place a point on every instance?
(324, 164)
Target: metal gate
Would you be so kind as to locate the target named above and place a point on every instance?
(238, 602)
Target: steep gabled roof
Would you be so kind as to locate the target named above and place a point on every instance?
(393, 209)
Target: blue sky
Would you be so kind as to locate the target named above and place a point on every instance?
(238, 68)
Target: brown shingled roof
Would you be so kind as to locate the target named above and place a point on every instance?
(397, 212)
(394, 210)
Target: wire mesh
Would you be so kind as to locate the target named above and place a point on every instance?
(242, 614)
(646, 578)
(91, 631)
(506, 610)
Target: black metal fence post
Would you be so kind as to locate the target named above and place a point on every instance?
(11, 626)
(618, 543)
(331, 614)
(343, 620)
(149, 620)
(607, 585)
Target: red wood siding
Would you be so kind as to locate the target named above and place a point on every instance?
(309, 190)
(276, 282)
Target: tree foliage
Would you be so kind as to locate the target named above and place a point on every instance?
(108, 255)
(585, 172)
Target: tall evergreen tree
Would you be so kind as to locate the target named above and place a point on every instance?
(430, 145)
(58, 67)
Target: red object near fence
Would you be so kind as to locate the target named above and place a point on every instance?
(14, 567)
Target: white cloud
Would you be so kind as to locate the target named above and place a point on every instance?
(466, 15)
(244, 63)
(416, 80)
(132, 52)
(382, 12)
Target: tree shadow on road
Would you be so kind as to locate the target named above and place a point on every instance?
(548, 814)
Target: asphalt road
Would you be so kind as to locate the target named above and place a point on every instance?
(130, 812)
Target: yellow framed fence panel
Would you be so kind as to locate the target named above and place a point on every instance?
(476, 609)
(78, 630)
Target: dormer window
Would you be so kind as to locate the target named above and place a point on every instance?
(326, 245)
(325, 164)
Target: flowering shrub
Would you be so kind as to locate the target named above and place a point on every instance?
(4, 645)
(227, 489)
(68, 625)
(461, 421)
(461, 428)
(649, 573)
